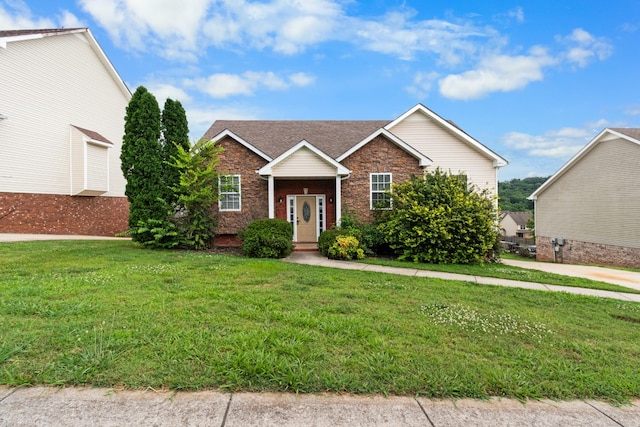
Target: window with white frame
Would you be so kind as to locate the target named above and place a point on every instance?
(229, 190)
(380, 189)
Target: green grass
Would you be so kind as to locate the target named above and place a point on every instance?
(106, 313)
(504, 271)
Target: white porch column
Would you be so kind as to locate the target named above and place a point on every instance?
(338, 199)
(272, 210)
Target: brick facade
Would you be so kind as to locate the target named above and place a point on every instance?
(577, 252)
(239, 160)
(378, 156)
(60, 214)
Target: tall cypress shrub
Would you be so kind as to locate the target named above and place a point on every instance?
(175, 133)
(141, 160)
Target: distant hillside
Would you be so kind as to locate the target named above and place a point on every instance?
(513, 194)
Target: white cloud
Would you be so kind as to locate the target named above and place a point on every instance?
(560, 143)
(168, 26)
(17, 15)
(398, 34)
(302, 79)
(498, 73)
(583, 48)
(180, 29)
(422, 83)
(517, 14)
(162, 91)
(223, 85)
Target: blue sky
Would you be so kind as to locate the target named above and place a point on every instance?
(532, 80)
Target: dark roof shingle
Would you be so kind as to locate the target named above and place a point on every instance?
(632, 132)
(274, 137)
(16, 33)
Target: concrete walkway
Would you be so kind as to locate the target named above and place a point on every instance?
(314, 258)
(42, 406)
(630, 279)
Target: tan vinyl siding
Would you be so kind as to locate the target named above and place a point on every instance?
(446, 150)
(304, 162)
(48, 84)
(97, 172)
(597, 200)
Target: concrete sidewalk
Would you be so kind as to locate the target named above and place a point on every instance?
(314, 258)
(43, 406)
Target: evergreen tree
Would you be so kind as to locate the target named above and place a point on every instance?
(175, 133)
(141, 159)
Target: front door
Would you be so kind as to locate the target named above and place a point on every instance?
(306, 218)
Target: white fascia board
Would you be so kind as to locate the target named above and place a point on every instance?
(267, 169)
(498, 161)
(423, 160)
(250, 147)
(584, 150)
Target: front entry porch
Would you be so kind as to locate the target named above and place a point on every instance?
(308, 205)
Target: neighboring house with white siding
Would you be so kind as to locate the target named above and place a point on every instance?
(62, 108)
(588, 212)
(306, 172)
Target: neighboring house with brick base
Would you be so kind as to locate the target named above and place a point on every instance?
(62, 108)
(588, 212)
(307, 172)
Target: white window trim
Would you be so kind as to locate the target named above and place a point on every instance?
(221, 193)
(371, 191)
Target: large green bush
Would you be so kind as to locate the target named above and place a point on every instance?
(440, 219)
(268, 238)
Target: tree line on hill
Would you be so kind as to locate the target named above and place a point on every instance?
(513, 194)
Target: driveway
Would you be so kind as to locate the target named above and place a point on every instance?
(625, 278)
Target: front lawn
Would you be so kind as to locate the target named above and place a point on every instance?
(105, 313)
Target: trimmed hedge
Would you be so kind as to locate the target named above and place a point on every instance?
(268, 238)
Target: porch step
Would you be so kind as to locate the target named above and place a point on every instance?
(305, 247)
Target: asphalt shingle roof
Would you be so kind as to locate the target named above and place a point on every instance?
(274, 137)
(632, 132)
(15, 33)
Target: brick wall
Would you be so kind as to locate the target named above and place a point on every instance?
(378, 156)
(60, 214)
(237, 159)
(577, 252)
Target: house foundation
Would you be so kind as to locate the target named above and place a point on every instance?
(60, 214)
(577, 252)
